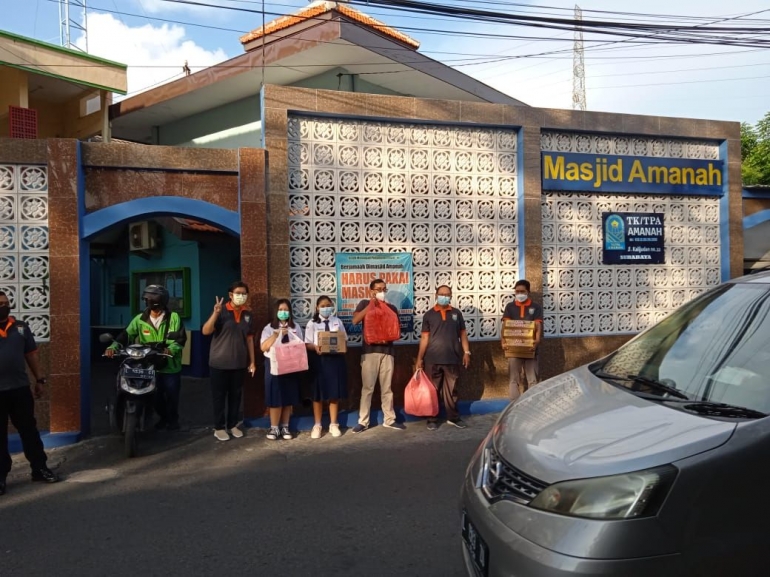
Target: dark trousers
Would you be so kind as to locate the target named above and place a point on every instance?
(226, 391)
(19, 406)
(167, 396)
(444, 378)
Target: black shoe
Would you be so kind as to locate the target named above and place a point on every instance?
(2, 486)
(45, 475)
(457, 423)
(432, 426)
(161, 425)
(396, 426)
(359, 428)
(172, 426)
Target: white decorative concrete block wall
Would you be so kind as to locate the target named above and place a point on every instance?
(583, 297)
(447, 194)
(24, 263)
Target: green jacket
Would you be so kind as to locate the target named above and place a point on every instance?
(141, 330)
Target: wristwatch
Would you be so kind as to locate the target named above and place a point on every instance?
(467, 352)
(42, 381)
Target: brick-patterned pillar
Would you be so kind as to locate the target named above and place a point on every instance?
(533, 233)
(64, 382)
(254, 260)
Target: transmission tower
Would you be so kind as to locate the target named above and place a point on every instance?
(70, 11)
(578, 66)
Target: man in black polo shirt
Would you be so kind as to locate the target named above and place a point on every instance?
(17, 349)
(377, 362)
(523, 309)
(443, 348)
(232, 351)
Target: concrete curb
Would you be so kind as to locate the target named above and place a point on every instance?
(50, 440)
(304, 423)
(350, 418)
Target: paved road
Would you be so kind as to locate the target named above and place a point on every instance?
(380, 504)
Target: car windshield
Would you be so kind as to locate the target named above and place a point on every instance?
(715, 348)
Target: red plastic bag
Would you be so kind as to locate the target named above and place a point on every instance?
(420, 396)
(381, 324)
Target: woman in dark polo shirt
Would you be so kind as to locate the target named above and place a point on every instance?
(232, 352)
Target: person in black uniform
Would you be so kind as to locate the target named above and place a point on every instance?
(17, 351)
(232, 353)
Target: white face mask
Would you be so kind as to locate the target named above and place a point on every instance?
(380, 297)
(521, 297)
(239, 300)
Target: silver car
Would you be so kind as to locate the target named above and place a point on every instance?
(652, 462)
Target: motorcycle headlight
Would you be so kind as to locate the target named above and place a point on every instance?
(138, 353)
(627, 496)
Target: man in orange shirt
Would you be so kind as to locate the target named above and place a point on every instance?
(523, 309)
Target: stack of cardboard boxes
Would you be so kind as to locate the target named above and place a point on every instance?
(519, 339)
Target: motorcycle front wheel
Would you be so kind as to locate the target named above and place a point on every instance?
(129, 435)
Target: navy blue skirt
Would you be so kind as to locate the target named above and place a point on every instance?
(281, 390)
(330, 377)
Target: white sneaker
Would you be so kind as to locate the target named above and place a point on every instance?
(221, 435)
(286, 433)
(334, 429)
(316, 432)
(236, 433)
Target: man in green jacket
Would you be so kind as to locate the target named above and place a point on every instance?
(153, 326)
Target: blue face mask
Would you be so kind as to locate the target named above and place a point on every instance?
(283, 315)
(443, 300)
(326, 312)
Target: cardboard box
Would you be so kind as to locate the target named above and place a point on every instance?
(518, 339)
(332, 342)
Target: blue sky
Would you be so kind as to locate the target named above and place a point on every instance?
(673, 80)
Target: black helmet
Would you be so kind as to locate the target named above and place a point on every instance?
(155, 297)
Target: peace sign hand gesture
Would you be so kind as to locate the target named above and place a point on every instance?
(218, 304)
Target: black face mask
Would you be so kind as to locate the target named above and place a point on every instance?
(5, 310)
(153, 304)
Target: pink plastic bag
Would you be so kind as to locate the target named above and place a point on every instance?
(420, 396)
(288, 357)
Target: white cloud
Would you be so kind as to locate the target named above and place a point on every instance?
(153, 54)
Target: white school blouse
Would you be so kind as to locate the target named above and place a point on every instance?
(268, 331)
(312, 329)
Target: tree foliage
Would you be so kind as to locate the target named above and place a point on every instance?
(755, 151)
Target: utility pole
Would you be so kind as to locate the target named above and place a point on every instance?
(578, 66)
(69, 23)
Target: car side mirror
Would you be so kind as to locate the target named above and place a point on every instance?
(106, 338)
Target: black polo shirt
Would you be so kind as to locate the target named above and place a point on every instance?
(526, 311)
(444, 327)
(16, 342)
(229, 347)
(388, 349)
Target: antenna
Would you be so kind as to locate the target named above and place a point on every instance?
(69, 10)
(578, 66)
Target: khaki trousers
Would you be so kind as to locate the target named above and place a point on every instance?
(514, 375)
(374, 367)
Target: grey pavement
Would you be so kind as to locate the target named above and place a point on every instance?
(382, 503)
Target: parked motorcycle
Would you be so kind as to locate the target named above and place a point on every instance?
(132, 407)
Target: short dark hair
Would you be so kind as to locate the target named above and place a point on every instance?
(275, 323)
(319, 300)
(2, 294)
(524, 283)
(374, 282)
(238, 284)
(438, 288)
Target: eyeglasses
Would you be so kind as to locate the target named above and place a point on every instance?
(384, 290)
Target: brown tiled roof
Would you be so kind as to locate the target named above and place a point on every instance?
(196, 225)
(320, 8)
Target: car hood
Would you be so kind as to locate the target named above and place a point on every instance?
(576, 425)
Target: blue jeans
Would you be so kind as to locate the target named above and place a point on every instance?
(167, 396)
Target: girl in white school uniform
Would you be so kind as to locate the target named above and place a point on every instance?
(330, 382)
(281, 391)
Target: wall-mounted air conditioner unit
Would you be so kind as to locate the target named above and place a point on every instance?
(143, 236)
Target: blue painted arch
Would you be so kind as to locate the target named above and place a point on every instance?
(100, 220)
(757, 218)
